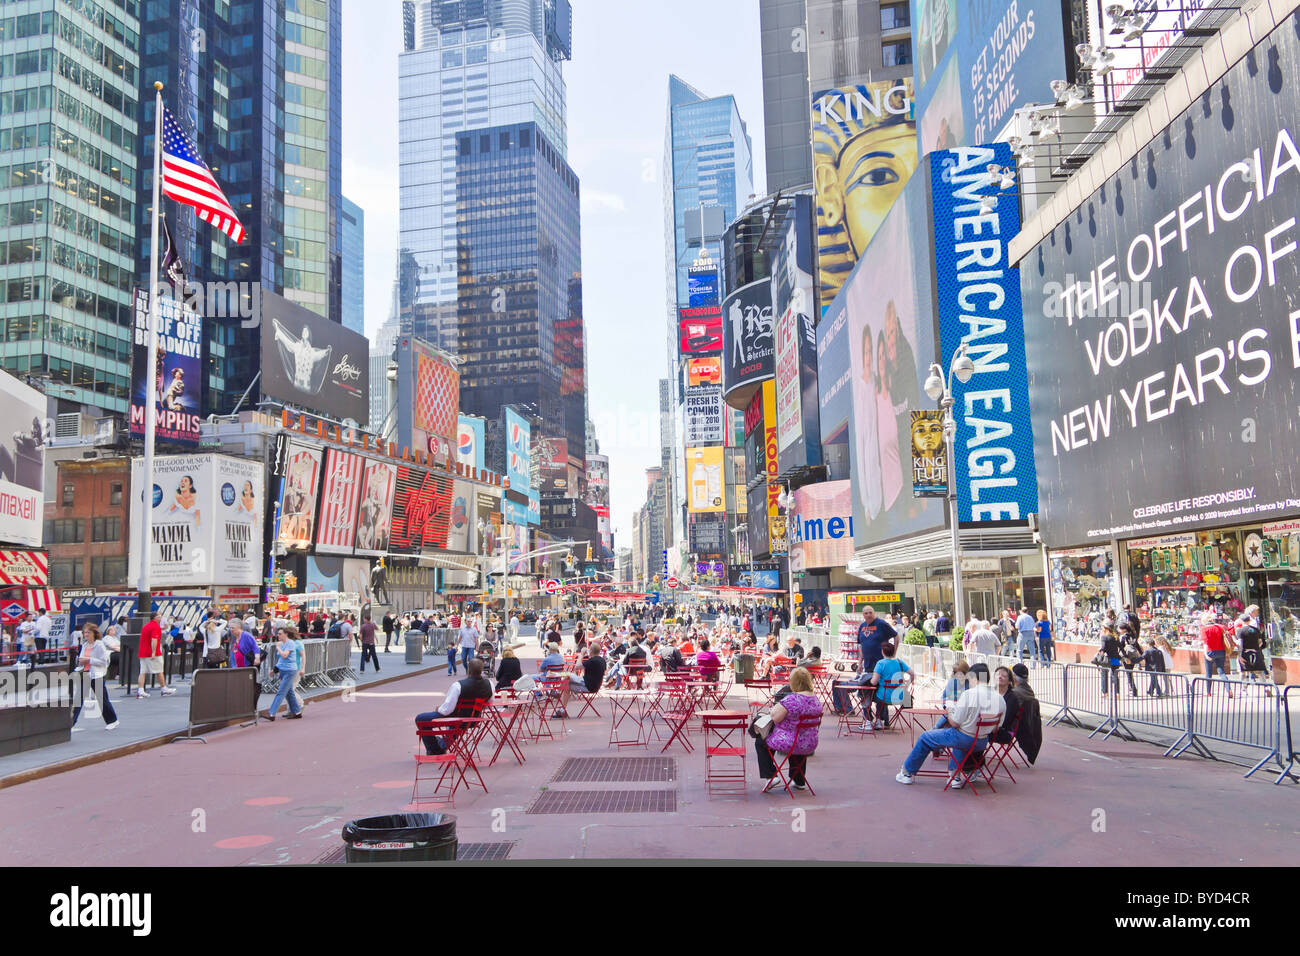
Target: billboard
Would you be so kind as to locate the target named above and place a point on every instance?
(471, 437)
(890, 340)
(207, 521)
(795, 364)
(756, 520)
(704, 481)
(864, 151)
(929, 455)
(518, 451)
(703, 415)
(461, 534)
(976, 64)
(22, 462)
(1167, 344)
(699, 329)
(374, 517)
(177, 390)
(487, 509)
(703, 371)
(749, 347)
(993, 450)
(703, 288)
(299, 485)
(421, 510)
(435, 401)
(310, 362)
(339, 499)
(553, 455)
(821, 526)
(598, 481)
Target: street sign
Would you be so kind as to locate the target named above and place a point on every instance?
(550, 585)
(673, 583)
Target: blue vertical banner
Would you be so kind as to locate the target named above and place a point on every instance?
(979, 304)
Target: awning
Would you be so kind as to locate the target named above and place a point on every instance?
(448, 562)
(43, 599)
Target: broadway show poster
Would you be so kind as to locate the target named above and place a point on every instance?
(238, 516)
(302, 472)
(181, 540)
(460, 528)
(375, 515)
(929, 455)
(176, 390)
(22, 462)
(487, 507)
(340, 499)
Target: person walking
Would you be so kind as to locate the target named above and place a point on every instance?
(151, 657)
(367, 637)
(287, 663)
(1046, 646)
(468, 637)
(388, 630)
(1025, 642)
(93, 662)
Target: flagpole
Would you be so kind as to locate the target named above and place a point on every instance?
(151, 376)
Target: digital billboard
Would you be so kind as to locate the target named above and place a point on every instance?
(518, 451)
(340, 498)
(796, 343)
(703, 371)
(702, 287)
(313, 363)
(749, 344)
(421, 510)
(821, 526)
(300, 481)
(1167, 340)
(177, 389)
(435, 401)
(22, 462)
(374, 517)
(977, 63)
(890, 341)
(993, 450)
(704, 480)
(699, 329)
(471, 436)
(864, 152)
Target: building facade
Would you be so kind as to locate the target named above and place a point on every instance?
(69, 148)
(353, 293)
(86, 519)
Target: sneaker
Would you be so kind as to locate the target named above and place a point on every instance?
(168, 691)
(297, 716)
(957, 784)
(799, 786)
(144, 693)
(112, 726)
(866, 729)
(904, 777)
(877, 725)
(77, 730)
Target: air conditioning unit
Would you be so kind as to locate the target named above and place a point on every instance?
(68, 425)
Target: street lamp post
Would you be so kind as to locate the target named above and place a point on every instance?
(940, 390)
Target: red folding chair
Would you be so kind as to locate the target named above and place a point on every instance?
(856, 718)
(635, 673)
(676, 707)
(447, 761)
(721, 753)
(997, 754)
(975, 763)
(805, 723)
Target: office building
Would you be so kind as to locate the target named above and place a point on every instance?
(466, 66)
(353, 292)
(257, 86)
(69, 172)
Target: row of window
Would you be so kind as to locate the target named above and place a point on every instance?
(23, 213)
(70, 572)
(73, 530)
(64, 371)
(98, 15)
(43, 289)
(90, 117)
(91, 80)
(97, 159)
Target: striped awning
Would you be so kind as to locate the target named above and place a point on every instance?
(43, 599)
(24, 568)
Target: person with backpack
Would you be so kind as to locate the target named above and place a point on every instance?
(1250, 643)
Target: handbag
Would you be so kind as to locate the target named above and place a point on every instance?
(215, 656)
(1100, 659)
(760, 726)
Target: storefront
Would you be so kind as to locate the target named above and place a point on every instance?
(1085, 584)
(990, 583)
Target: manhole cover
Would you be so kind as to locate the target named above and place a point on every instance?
(605, 801)
(616, 770)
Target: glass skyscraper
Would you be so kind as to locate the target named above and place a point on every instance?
(353, 295)
(68, 178)
(467, 64)
(519, 330)
(257, 84)
(708, 161)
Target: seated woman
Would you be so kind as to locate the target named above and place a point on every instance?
(1006, 688)
(814, 658)
(800, 702)
(709, 662)
(959, 682)
(509, 670)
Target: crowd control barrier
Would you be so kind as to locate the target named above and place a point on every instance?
(221, 694)
(1234, 712)
(1289, 737)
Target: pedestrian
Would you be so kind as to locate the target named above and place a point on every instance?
(943, 629)
(468, 637)
(366, 634)
(43, 625)
(388, 630)
(1250, 640)
(1046, 646)
(1130, 652)
(1006, 632)
(151, 657)
(214, 629)
(287, 656)
(93, 662)
(872, 633)
(1026, 642)
(1153, 662)
(1109, 658)
(928, 629)
(25, 635)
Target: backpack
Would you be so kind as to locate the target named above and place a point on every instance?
(336, 631)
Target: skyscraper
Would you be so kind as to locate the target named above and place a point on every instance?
(257, 85)
(353, 293)
(708, 163)
(69, 149)
(466, 65)
(787, 131)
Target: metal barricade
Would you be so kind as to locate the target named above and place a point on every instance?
(1091, 691)
(1235, 713)
(1154, 699)
(338, 660)
(313, 664)
(1288, 733)
(439, 639)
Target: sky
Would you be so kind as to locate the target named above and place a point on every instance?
(618, 108)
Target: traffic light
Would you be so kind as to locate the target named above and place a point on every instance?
(588, 550)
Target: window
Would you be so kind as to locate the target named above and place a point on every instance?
(107, 529)
(108, 571)
(69, 494)
(66, 573)
(115, 493)
(65, 531)
(897, 52)
(894, 17)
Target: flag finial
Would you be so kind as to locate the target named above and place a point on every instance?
(158, 85)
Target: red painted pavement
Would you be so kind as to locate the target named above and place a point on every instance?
(209, 803)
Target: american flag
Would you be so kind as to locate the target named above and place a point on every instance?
(187, 179)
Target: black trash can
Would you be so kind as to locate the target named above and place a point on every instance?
(401, 838)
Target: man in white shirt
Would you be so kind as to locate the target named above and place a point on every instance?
(43, 625)
(468, 636)
(984, 641)
(250, 622)
(514, 627)
(980, 701)
(25, 632)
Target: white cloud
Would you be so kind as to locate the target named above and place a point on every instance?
(611, 201)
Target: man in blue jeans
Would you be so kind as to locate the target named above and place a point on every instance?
(958, 736)
(1025, 642)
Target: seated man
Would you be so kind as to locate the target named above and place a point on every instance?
(553, 661)
(456, 704)
(981, 700)
(840, 696)
(588, 682)
(670, 658)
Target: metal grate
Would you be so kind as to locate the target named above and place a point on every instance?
(605, 801)
(336, 855)
(617, 770)
(483, 851)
